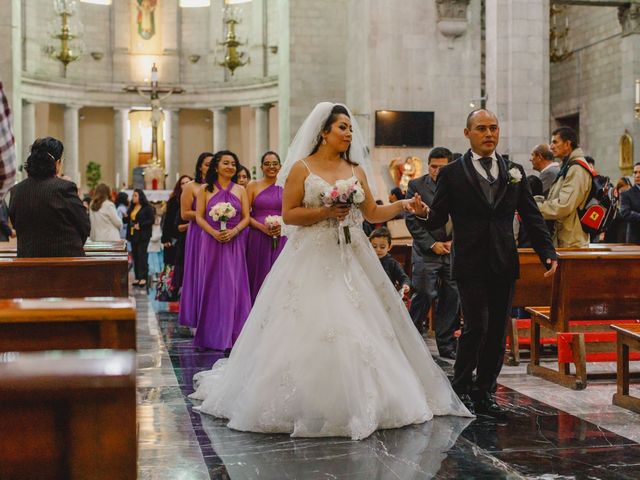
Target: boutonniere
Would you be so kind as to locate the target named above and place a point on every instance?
(514, 175)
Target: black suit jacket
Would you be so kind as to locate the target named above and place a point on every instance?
(144, 219)
(630, 211)
(423, 239)
(49, 218)
(483, 240)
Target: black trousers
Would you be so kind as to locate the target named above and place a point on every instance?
(140, 259)
(486, 306)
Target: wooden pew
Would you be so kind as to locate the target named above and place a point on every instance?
(628, 337)
(532, 288)
(68, 415)
(589, 291)
(91, 249)
(67, 324)
(401, 250)
(64, 277)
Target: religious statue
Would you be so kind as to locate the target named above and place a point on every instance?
(626, 154)
(146, 18)
(404, 170)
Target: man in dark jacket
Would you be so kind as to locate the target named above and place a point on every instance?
(630, 207)
(431, 271)
(480, 193)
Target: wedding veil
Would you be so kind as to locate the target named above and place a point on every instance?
(307, 137)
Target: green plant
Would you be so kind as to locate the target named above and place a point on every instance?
(94, 175)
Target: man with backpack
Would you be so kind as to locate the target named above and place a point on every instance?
(569, 192)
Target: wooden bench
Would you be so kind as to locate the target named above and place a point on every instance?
(68, 415)
(67, 324)
(64, 277)
(532, 288)
(91, 249)
(628, 337)
(589, 291)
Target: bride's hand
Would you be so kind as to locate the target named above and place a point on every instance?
(338, 210)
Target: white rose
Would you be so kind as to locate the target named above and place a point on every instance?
(515, 175)
(358, 196)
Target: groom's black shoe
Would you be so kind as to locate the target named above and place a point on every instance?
(465, 398)
(484, 404)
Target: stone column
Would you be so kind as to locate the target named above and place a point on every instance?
(71, 132)
(262, 134)
(28, 127)
(219, 128)
(171, 160)
(630, 59)
(517, 70)
(121, 147)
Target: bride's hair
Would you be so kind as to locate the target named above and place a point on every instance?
(326, 128)
(212, 174)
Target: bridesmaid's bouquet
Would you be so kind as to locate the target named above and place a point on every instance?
(273, 221)
(222, 212)
(345, 192)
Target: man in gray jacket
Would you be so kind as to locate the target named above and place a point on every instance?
(542, 161)
(431, 273)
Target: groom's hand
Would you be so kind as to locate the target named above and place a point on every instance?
(552, 269)
(420, 208)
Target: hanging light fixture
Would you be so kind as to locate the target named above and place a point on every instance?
(67, 32)
(232, 57)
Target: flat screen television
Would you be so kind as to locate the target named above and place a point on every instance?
(395, 128)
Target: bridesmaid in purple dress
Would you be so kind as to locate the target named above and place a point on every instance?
(188, 315)
(265, 198)
(224, 302)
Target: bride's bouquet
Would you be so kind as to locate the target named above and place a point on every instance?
(345, 192)
(273, 221)
(222, 212)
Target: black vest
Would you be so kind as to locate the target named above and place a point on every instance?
(490, 189)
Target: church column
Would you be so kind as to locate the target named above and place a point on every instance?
(517, 70)
(630, 59)
(262, 133)
(71, 134)
(121, 150)
(219, 128)
(171, 160)
(28, 127)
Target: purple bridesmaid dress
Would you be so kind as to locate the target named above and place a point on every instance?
(260, 252)
(188, 315)
(224, 291)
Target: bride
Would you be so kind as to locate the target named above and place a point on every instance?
(329, 348)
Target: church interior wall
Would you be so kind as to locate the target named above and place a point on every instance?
(96, 142)
(49, 121)
(589, 83)
(195, 137)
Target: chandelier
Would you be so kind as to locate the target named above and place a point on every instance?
(68, 48)
(232, 57)
(559, 49)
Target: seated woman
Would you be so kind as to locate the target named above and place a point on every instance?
(45, 210)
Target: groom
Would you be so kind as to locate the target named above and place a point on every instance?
(481, 192)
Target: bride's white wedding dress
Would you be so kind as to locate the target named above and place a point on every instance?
(329, 348)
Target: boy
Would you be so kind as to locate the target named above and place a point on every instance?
(381, 242)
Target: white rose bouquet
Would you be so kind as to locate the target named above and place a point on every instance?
(273, 221)
(222, 212)
(346, 192)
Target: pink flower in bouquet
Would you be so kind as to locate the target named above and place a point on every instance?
(273, 221)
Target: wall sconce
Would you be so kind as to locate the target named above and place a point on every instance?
(232, 58)
(273, 49)
(97, 56)
(194, 58)
(637, 107)
(559, 49)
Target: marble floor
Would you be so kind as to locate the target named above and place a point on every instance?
(551, 433)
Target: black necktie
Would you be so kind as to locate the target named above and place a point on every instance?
(486, 164)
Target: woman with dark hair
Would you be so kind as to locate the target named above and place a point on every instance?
(224, 295)
(45, 210)
(243, 177)
(188, 315)
(264, 242)
(140, 217)
(122, 205)
(172, 228)
(105, 221)
(329, 349)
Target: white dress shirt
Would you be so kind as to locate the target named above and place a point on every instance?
(495, 171)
